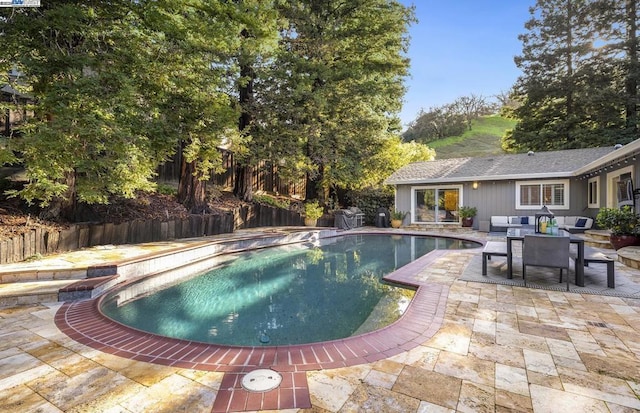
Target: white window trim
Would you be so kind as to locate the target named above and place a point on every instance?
(565, 182)
(595, 179)
(413, 199)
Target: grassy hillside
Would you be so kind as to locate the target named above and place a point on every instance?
(482, 140)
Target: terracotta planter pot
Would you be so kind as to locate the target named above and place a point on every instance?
(467, 222)
(310, 222)
(621, 241)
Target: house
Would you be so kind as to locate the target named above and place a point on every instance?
(569, 182)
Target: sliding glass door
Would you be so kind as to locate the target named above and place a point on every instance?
(436, 205)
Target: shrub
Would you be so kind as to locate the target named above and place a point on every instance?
(165, 189)
(468, 212)
(313, 210)
(620, 221)
(270, 201)
(370, 199)
(398, 215)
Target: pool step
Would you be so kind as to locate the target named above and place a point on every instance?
(31, 292)
(87, 288)
(51, 291)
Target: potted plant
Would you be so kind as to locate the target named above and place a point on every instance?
(397, 217)
(623, 223)
(312, 211)
(466, 214)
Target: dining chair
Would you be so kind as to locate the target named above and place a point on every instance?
(545, 251)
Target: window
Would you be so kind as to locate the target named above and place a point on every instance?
(619, 187)
(536, 194)
(593, 193)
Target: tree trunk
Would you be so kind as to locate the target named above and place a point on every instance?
(243, 188)
(191, 189)
(65, 206)
(313, 187)
(69, 201)
(631, 84)
(569, 68)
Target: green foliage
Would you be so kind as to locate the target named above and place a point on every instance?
(267, 199)
(331, 95)
(468, 211)
(620, 221)
(82, 65)
(437, 123)
(452, 119)
(313, 210)
(165, 189)
(398, 215)
(119, 86)
(393, 155)
(576, 91)
(368, 200)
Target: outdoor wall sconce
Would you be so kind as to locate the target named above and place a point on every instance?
(475, 185)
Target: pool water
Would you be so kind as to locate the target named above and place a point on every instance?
(293, 294)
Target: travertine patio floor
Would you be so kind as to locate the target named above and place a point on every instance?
(500, 348)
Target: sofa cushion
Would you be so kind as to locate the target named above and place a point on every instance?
(499, 220)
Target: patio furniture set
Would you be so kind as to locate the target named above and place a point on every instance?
(574, 224)
(545, 250)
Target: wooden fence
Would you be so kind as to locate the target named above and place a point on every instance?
(265, 176)
(42, 242)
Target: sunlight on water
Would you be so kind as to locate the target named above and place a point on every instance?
(282, 295)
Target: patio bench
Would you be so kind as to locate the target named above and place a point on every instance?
(491, 248)
(593, 256)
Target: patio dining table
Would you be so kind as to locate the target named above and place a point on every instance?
(517, 234)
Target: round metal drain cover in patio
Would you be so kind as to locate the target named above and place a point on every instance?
(261, 380)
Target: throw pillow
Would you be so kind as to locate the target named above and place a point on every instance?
(581, 222)
(515, 220)
(524, 220)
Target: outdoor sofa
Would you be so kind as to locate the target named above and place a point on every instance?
(573, 224)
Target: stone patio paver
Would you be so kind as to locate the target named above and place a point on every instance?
(500, 348)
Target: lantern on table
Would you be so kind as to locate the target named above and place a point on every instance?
(543, 217)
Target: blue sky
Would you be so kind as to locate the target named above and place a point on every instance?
(460, 47)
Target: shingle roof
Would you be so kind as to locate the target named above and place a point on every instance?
(553, 164)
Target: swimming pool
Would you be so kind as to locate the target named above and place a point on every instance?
(284, 295)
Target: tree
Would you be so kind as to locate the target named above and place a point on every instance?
(257, 47)
(575, 59)
(472, 107)
(335, 88)
(394, 155)
(437, 123)
(80, 62)
(616, 23)
(192, 86)
(507, 101)
(118, 87)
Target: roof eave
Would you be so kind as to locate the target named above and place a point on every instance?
(528, 177)
(625, 150)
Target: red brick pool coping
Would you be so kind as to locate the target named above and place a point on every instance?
(83, 322)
